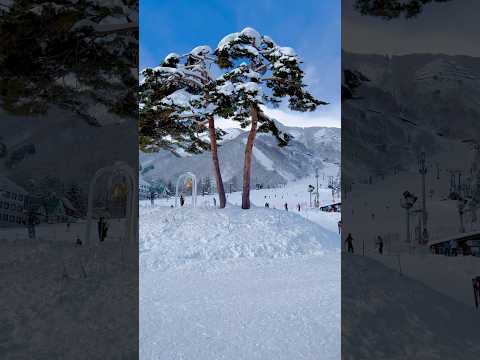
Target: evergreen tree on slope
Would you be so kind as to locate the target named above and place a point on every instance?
(175, 110)
(78, 55)
(257, 72)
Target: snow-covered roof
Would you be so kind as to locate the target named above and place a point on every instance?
(458, 236)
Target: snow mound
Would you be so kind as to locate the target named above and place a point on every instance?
(212, 234)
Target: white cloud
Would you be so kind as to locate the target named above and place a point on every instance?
(320, 117)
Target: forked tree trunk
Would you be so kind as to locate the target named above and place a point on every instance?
(216, 164)
(247, 166)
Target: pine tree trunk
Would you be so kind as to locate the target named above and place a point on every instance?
(216, 163)
(247, 166)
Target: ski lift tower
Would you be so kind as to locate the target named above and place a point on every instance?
(317, 195)
(423, 172)
(407, 203)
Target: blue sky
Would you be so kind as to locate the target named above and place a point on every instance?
(311, 27)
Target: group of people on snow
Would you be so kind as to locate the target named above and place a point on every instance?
(285, 206)
(349, 242)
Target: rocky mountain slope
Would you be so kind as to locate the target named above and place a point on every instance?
(411, 103)
(311, 148)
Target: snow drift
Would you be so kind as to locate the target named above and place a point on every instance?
(175, 236)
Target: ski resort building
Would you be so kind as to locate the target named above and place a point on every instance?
(13, 199)
(336, 207)
(462, 244)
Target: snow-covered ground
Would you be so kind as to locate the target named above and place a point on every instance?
(49, 284)
(294, 193)
(386, 315)
(240, 284)
(374, 209)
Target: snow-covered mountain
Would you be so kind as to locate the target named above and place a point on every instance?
(411, 102)
(62, 146)
(311, 148)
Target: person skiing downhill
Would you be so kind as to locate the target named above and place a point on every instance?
(182, 200)
(298, 207)
(214, 202)
(349, 241)
(286, 206)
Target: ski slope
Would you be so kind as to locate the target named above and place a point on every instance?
(379, 304)
(238, 284)
(294, 193)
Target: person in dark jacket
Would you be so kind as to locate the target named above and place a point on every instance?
(182, 200)
(349, 242)
(102, 229)
(380, 244)
(286, 206)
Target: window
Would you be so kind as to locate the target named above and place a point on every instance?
(19, 220)
(20, 197)
(7, 194)
(11, 218)
(5, 217)
(6, 205)
(14, 196)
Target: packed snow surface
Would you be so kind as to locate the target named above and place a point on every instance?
(379, 304)
(237, 284)
(174, 236)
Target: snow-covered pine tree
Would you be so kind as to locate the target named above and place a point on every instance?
(175, 111)
(257, 72)
(76, 55)
(392, 9)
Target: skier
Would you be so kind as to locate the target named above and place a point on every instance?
(267, 205)
(102, 229)
(214, 202)
(152, 198)
(380, 244)
(286, 206)
(99, 227)
(298, 207)
(476, 290)
(339, 226)
(78, 242)
(182, 200)
(453, 247)
(349, 241)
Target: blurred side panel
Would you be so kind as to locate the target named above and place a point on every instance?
(410, 172)
(68, 180)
